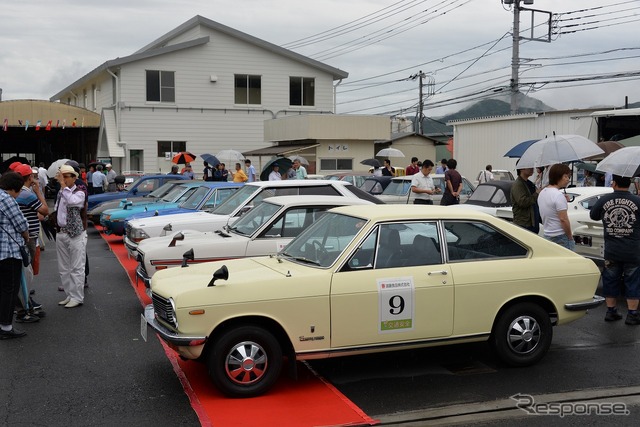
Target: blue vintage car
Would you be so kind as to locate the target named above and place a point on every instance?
(113, 219)
(140, 187)
(205, 198)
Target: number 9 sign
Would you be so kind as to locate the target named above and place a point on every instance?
(396, 308)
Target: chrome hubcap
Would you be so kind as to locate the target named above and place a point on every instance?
(246, 363)
(523, 335)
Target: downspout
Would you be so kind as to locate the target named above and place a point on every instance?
(335, 86)
(117, 111)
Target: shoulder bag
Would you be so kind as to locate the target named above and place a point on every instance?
(24, 252)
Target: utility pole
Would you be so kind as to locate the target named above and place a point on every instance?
(420, 76)
(515, 57)
(514, 86)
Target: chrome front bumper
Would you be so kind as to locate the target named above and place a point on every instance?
(142, 275)
(585, 305)
(174, 338)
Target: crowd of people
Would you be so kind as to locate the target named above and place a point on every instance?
(23, 210)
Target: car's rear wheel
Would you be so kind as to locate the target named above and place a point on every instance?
(245, 361)
(522, 334)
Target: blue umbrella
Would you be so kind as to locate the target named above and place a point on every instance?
(211, 159)
(518, 150)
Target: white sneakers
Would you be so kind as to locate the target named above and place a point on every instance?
(69, 303)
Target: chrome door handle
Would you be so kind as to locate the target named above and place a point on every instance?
(442, 272)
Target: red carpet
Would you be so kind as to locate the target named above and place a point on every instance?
(307, 401)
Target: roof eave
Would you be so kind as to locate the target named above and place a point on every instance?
(127, 59)
(201, 20)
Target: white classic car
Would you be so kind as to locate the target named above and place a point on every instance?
(362, 280)
(399, 190)
(264, 230)
(227, 213)
(589, 238)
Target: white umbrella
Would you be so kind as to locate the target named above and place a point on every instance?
(53, 169)
(558, 149)
(623, 162)
(301, 159)
(390, 152)
(229, 157)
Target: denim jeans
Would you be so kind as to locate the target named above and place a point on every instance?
(614, 273)
(563, 241)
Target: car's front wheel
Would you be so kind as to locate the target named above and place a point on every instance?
(522, 334)
(245, 361)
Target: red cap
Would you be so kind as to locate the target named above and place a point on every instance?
(14, 165)
(24, 170)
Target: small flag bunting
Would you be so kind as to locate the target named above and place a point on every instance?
(5, 126)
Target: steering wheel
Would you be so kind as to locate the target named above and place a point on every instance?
(320, 250)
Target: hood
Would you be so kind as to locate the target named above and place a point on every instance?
(157, 221)
(250, 280)
(191, 238)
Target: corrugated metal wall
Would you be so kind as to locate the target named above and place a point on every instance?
(478, 143)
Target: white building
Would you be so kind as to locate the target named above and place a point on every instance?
(201, 87)
(483, 141)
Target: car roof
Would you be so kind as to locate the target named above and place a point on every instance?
(315, 200)
(409, 177)
(297, 183)
(412, 212)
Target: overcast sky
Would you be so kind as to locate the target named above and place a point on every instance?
(462, 46)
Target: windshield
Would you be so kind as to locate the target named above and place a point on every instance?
(195, 198)
(238, 199)
(255, 218)
(398, 187)
(324, 241)
(162, 190)
(174, 193)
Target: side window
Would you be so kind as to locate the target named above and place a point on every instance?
(477, 240)
(148, 185)
(588, 203)
(218, 197)
(293, 222)
(499, 198)
(408, 245)
(363, 257)
(466, 187)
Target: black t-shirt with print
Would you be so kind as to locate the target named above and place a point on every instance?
(619, 212)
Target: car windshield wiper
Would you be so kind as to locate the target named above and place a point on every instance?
(301, 258)
(222, 233)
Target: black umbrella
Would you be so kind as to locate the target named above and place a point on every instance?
(371, 162)
(5, 165)
(94, 164)
(210, 159)
(284, 163)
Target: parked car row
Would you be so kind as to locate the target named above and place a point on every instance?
(292, 270)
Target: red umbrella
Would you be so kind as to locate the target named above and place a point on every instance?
(183, 157)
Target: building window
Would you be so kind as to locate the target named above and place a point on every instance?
(336, 164)
(248, 89)
(161, 86)
(169, 148)
(84, 98)
(302, 91)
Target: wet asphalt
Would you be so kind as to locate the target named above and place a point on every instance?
(89, 365)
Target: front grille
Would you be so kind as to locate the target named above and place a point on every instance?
(163, 309)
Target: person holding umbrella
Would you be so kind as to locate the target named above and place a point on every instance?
(275, 173)
(619, 214)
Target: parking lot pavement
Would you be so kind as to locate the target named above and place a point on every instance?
(89, 365)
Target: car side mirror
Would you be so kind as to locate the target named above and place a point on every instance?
(187, 256)
(221, 273)
(178, 237)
